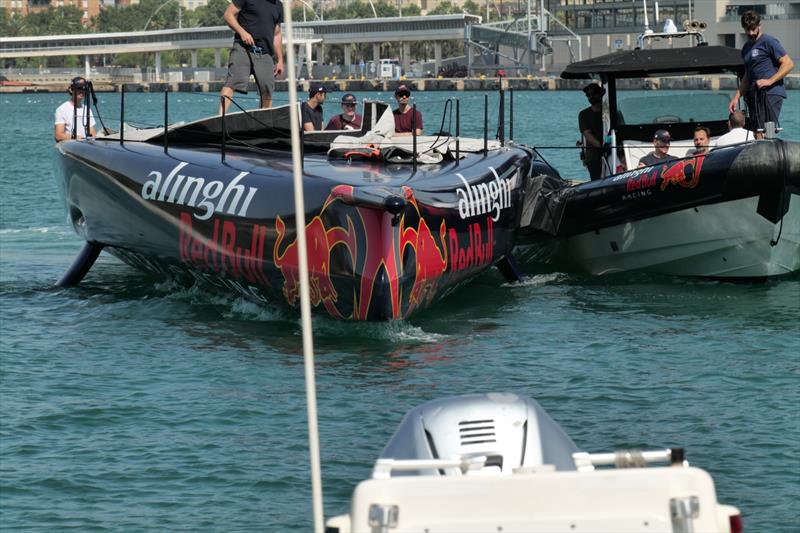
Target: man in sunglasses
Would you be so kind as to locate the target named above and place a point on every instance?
(403, 114)
(72, 115)
(348, 119)
(661, 142)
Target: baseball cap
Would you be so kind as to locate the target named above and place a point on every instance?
(316, 89)
(662, 135)
(402, 89)
(594, 88)
(349, 98)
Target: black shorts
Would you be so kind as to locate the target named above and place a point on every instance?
(763, 108)
(242, 63)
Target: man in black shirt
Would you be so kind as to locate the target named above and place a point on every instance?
(311, 110)
(257, 24)
(590, 124)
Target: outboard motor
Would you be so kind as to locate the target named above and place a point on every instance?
(513, 432)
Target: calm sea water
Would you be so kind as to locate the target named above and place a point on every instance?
(129, 403)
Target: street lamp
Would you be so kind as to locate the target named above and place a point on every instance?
(309, 6)
(180, 21)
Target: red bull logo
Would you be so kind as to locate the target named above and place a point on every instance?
(430, 262)
(685, 173)
(319, 241)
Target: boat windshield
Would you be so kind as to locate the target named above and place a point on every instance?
(668, 107)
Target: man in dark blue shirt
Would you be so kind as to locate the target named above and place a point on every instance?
(766, 64)
(257, 24)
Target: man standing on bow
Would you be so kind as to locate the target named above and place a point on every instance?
(257, 24)
(766, 65)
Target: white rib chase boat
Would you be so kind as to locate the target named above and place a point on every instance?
(499, 462)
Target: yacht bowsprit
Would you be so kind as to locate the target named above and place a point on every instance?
(389, 232)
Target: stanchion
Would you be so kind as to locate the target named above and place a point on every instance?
(166, 119)
(458, 130)
(122, 116)
(485, 124)
(511, 115)
(501, 119)
(224, 128)
(414, 136)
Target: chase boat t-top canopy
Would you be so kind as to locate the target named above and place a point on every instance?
(642, 63)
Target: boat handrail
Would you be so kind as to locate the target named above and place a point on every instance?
(585, 461)
(384, 467)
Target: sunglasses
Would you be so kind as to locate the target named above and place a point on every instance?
(403, 95)
(349, 104)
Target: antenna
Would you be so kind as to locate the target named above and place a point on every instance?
(646, 22)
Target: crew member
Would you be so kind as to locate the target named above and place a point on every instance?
(257, 24)
(766, 65)
(72, 115)
(402, 115)
(736, 132)
(311, 110)
(348, 119)
(590, 124)
(702, 141)
(660, 154)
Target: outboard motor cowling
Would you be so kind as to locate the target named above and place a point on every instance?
(511, 431)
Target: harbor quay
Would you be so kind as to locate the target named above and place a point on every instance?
(529, 83)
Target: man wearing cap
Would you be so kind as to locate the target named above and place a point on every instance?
(311, 110)
(590, 124)
(348, 119)
(403, 114)
(661, 142)
(766, 65)
(71, 116)
(257, 24)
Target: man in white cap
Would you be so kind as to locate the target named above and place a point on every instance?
(660, 154)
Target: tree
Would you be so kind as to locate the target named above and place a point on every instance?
(211, 13)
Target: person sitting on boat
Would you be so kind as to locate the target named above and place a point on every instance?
(257, 24)
(590, 124)
(702, 141)
(72, 115)
(766, 65)
(348, 119)
(311, 110)
(403, 115)
(736, 132)
(660, 154)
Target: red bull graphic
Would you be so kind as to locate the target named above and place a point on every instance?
(222, 253)
(320, 242)
(384, 255)
(429, 261)
(685, 173)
